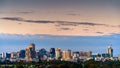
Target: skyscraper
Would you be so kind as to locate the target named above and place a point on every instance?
(14, 55)
(22, 54)
(52, 52)
(110, 51)
(58, 53)
(86, 54)
(66, 55)
(42, 52)
(30, 52)
(5, 55)
(32, 46)
(89, 53)
(27, 54)
(75, 55)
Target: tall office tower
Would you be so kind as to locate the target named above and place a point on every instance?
(22, 54)
(27, 55)
(30, 52)
(75, 55)
(89, 53)
(110, 51)
(42, 52)
(52, 52)
(66, 55)
(14, 55)
(37, 53)
(86, 54)
(58, 53)
(32, 46)
(63, 55)
(5, 55)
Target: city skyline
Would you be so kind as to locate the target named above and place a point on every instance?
(30, 54)
(65, 42)
(77, 25)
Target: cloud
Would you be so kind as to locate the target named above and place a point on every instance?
(99, 32)
(13, 18)
(18, 12)
(73, 14)
(24, 20)
(65, 28)
(118, 25)
(57, 23)
(79, 23)
(25, 12)
(39, 21)
(85, 29)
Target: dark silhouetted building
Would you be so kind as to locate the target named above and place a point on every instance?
(22, 54)
(52, 52)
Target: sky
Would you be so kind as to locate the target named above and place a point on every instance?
(82, 24)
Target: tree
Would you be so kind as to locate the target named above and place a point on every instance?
(18, 66)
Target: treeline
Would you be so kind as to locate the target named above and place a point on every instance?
(61, 64)
(100, 64)
(42, 64)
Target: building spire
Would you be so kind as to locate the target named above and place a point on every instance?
(110, 45)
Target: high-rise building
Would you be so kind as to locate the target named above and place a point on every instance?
(22, 54)
(27, 55)
(5, 55)
(105, 55)
(30, 52)
(75, 55)
(110, 51)
(89, 53)
(14, 55)
(86, 54)
(58, 53)
(66, 55)
(0, 56)
(52, 52)
(42, 52)
(37, 53)
(32, 46)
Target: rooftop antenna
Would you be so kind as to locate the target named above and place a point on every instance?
(110, 45)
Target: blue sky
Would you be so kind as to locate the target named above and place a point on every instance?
(97, 44)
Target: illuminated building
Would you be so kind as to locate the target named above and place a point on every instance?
(66, 55)
(5, 55)
(58, 53)
(110, 51)
(30, 52)
(14, 55)
(87, 54)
